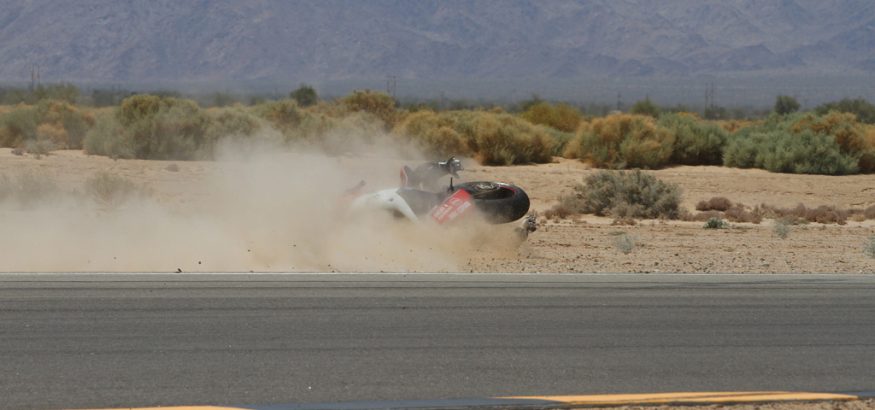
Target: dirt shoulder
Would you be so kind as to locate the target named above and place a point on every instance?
(587, 244)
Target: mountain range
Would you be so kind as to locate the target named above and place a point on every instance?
(336, 40)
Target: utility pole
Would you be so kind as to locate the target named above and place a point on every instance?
(619, 101)
(391, 85)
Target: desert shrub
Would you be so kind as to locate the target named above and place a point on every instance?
(284, 115)
(108, 138)
(111, 190)
(848, 133)
(436, 134)
(827, 215)
(869, 247)
(562, 117)
(305, 95)
(801, 214)
(69, 122)
(785, 104)
(869, 213)
(864, 110)
(624, 194)
(645, 107)
(624, 243)
(231, 122)
(781, 151)
(18, 125)
(155, 127)
(495, 139)
(781, 228)
(40, 146)
(378, 104)
(696, 142)
(624, 141)
(731, 126)
(313, 125)
(717, 203)
(58, 122)
(834, 144)
(560, 139)
(734, 213)
(740, 213)
(852, 137)
(702, 216)
(558, 211)
(228, 123)
(716, 223)
(502, 139)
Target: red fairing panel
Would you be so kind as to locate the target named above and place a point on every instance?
(453, 207)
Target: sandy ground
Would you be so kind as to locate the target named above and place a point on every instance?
(586, 244)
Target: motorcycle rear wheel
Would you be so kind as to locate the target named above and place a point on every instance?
(498, 202)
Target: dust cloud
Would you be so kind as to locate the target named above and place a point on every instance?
(256, 208)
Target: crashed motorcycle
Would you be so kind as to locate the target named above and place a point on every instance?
(418, 199)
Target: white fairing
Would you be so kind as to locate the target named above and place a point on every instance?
(385, 200)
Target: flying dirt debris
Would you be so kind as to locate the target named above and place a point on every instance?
(256, 209)
(421, 198)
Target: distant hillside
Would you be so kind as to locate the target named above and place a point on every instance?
(333, 40)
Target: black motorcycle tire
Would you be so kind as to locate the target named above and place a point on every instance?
(498, 202)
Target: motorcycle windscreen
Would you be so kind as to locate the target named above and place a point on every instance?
(456, 205)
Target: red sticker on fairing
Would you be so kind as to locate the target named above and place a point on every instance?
(456, 205)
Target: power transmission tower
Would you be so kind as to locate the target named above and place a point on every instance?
(391, 85)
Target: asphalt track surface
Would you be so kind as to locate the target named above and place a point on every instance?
(77, 341)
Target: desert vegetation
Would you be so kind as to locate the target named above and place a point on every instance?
(836, 138)
(621, 195)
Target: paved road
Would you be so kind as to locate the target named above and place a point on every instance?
(134, 340)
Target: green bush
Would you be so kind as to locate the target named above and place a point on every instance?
(305, 95)
(864, 110)
(716, 223)
(494, 138)
(108, 138)
(378, 104)
(696, 142)
(625, 243)
(562, 117)
(624, 194)
(231, 122)
(284, 115)
(61, 115)
(49, 122)
(18, 125)
(151, 127)
(785, 104)
(780, 151)
(624, 141)
(869, 247)
(832, 144)
(781, 228)
(645, 107)
(435, 134)
(843, 127)
(560, 139)
(502, 139)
